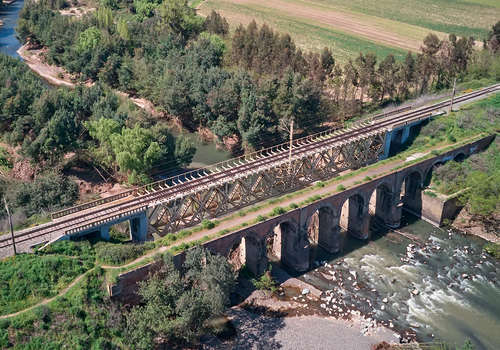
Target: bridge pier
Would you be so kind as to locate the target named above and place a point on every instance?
(387, 207)
(139, 228)
(290, 245)
(357, 219)
(387, 145)
(406, 134)
(104, 230)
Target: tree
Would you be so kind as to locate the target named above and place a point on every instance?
(428, 62)
(406, 75)
(178, 17)
(388, 75)
(365, 67)
(178, 303)
(89, 39)
(48, 192)
(216, 24)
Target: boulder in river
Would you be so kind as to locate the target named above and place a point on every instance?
(305, 291)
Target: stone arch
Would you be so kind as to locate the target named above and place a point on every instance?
(285, 242)
(247, 250)
(430, 172)
(322, 227)
(354, 216)
(411, 192)
(460, 157)
(384, 204)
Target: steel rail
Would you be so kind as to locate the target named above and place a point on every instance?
(71, 222)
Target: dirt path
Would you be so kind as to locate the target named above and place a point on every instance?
(46, 301)
(239, 220)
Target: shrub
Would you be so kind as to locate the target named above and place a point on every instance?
(266, 282)
(340, 188)
(367, 178)
(430, 194)
(207, 224)
(320, 184)
(118, 254)
(293, 206)
(493, 249)
(42, 313)
(278, 211)
(261, 218)
(244, 224)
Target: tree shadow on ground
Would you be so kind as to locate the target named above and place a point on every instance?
(254, 331)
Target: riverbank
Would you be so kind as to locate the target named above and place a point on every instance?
(467, 225)
(53, 74)
(302, 332)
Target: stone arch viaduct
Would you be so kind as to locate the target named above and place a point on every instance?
(384, 197)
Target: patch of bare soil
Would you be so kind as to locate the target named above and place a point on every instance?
(34, 57)
(77, 11)
(487, 229)
(340, 20)
(22, 168)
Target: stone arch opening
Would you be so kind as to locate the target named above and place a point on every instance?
(286, 244)
(384, 206)
(247, 252)
(459, 158)
(411, 193)
(431, 172)
(323, 228)
(354, 216)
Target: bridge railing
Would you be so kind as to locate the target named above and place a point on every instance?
(411, 121)
(227, 164)
(105, 220)
(231, 163)
(89, 205)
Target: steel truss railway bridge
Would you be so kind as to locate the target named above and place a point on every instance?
(185, 200)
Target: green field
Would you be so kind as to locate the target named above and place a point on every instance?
(363, 25)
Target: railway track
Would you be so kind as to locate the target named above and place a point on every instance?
(79, 218)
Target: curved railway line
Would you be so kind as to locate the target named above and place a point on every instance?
(79, 218)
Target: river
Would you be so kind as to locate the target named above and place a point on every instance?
(8, 42)
(206, 152)
(458, 288)
(456, 285)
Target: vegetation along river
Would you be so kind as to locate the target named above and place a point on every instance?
(456, 289)
(206, 152)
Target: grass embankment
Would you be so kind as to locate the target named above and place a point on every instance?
(82, 319)
(28, 279)
(119, 254)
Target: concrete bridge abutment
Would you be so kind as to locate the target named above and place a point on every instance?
(139, 228)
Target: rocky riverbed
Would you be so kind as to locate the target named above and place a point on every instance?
(420, 284)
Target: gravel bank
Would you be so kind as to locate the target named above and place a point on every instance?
(304, 332)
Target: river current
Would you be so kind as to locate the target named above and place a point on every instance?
(456, 287)
(441, 285)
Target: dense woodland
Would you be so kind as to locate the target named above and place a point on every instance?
(53, 129)
(242, 87)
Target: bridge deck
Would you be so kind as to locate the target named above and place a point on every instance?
(91, 215)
